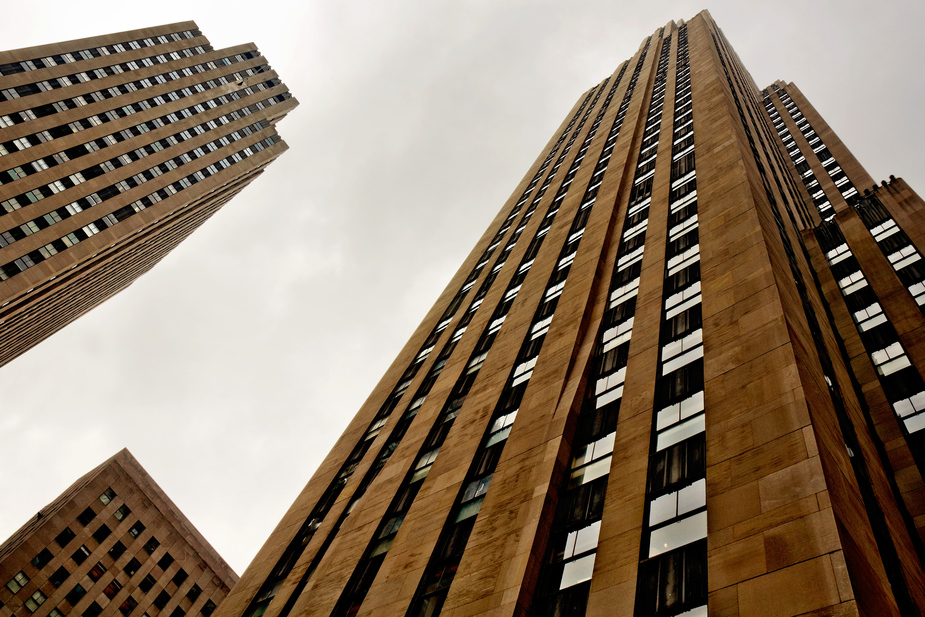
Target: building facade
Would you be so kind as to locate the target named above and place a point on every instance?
(113, 149)
(680, 374)
(113, 544)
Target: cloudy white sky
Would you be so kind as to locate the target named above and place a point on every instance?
(230, 370)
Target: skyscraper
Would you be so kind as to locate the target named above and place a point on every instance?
(680, 373)
(113, 149)
(113, 544)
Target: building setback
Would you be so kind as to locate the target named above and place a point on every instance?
(680, 373)
(113, 149)
(113, 544)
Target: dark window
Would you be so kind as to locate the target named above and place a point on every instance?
(80, 555)
(42, 559)
(136, 530)
(179, 577)
(194, 592)
(132, 567)
(678, 385)
(147, 583)
(86, 516)
(64, 537)
(117, 549)
(112, 589)
(93, 610)
(177, 612)
(683, 323)
(165, 561)
(151, 545)
(97, 571)
(59, 576)
(122, 512)
(75, 594)
(161, 600)
(102, 533)
(677, 466)
(208, 608)
(673, 582)
(128, 606)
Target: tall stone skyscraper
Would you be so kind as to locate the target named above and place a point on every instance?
(113, 149)
(680, 374)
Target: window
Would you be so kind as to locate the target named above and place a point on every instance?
(147, 583)
(42, 559)
(17, 582)
(161, 600)
(97, 571)
(116, 551)
(194, 592)
(74, 596)
(55, 613)
(165, 561)
(208, 608)
(93, 610)
(177, 612)
(86, 516)
(59, 576)
(107, 496)
(674, 582)
(132, 567)
(34, 601)
(128, 606)
(179, 577)
(101, 533)
(112, 589)
(80, 555)
(136, 530)
(122, 512)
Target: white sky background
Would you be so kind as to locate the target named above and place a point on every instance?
(230, 370)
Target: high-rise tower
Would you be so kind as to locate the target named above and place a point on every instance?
(679, 374)
(113, 149)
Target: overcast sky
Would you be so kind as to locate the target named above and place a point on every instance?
(231, 369)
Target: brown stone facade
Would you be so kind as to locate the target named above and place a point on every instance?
(113, 544)
(114, 149)
(698, 321)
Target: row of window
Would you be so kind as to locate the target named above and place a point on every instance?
(35, 225)
(36, 64)
(441, 569)
(27, 141)
(895, 245)
(901, 382)
(822, 203)
(672, 569)
(842, 183)
(568, 567)
(74, 152)
(297, 545)
(27, 261)
(99, 73)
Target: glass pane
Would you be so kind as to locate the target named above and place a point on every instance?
(680, 432)
(577, 571)
(663, 508)
(678, 534)
(692, 497)
(587, 538)
(590, 472)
